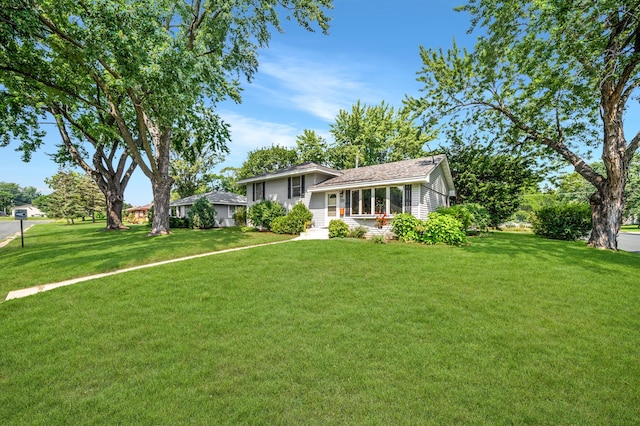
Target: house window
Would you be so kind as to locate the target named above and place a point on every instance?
(232, 211)
(381, 200)
(366, 201)
(296, 185)
(407, 198)
(385, 200)
(355, 202)
(395, 199)
(258, 191)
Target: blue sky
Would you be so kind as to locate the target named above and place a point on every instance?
(371, 54)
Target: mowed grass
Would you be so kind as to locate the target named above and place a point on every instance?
(56, 252)
(511, 329)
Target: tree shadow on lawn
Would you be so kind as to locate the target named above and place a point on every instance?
(514, 246)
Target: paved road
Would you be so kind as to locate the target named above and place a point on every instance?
(10, 227)
(628, 241)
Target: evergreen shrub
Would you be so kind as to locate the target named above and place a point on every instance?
(202, 214)
(338, 229)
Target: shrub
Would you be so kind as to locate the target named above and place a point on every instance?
(294, 222)
(378, 239)
(338, 229)
(480, 217)
(240, 216)
(563, 221)
(178, 222)
(473, 216)
(443, 228)
(405, 226)
(202, 214)
(358, 232)
(264, 212)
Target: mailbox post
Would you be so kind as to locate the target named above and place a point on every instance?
(20, 214)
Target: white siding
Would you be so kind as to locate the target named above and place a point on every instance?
(433, 194)
(316, 204)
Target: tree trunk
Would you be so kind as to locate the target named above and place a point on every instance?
(114, 202)
(607, 203)
(606, 216)
(161, 210)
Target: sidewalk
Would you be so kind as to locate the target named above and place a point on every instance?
(16, 294)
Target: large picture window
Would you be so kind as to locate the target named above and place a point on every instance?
(381, 200)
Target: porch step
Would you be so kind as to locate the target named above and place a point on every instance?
(314, 234)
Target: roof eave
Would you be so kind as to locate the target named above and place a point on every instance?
(298, 172)
(368, 184)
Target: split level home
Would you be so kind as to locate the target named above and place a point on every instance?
(361, 196)
(224, 203)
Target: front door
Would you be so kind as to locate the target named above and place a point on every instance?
(332, 205)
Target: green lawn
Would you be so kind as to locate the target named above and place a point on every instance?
(511, 329)
(630, 228)
(56, 252)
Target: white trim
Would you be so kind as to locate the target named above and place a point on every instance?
(372, 184)
(287, 174)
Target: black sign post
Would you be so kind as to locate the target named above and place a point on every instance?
(21, 214)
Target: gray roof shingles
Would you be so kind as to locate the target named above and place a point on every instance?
(407, 169)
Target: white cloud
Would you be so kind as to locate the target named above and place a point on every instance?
(249, 133)
(319, 86)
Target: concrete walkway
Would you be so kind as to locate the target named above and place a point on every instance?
(314, 234)
(16, 294)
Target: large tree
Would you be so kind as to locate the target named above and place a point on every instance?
(165, 63)
(377, 134)
(553, 75)
(267, 160)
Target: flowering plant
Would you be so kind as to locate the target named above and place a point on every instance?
(382, 220)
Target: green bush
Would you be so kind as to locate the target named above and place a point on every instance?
(443, 228)
(202, 214)
(240, 216)
(563, 221)
(378, 239)
(294, 222)
(480, 217)
(358, 232)
(473, 216)
(264, 212)
(406, 227)
(338, 229)
(178, 222)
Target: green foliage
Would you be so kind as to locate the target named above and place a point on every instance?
(459, 212)
(12, 194)
(378, 239)
(486, 176)
(261, 214)
(358, 232)
(442, 228)
(202, 214)
(267, 160)
(338, 229)
(563, 221)
(74, 196)
(312, 147)
(294, 222)
(375, 135)
(240, 216)
(179, 222)
(473, 216)
(550, 78)
(406, 227)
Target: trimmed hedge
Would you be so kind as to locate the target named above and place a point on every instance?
(439, 228)
(294, 222)
(569, 221)
(338, 229)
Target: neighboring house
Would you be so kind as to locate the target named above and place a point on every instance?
(32, 211)
(225, 204)
(358, 196)
(139, 213)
